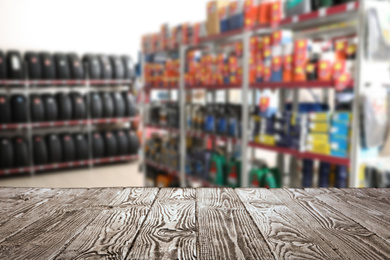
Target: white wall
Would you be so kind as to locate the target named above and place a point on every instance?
(95, 26)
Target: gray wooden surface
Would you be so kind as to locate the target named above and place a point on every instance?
(204, 223)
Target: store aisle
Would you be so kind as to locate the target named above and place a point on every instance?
(123, 175)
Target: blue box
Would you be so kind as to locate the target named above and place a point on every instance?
(224, 24)
(342, 116)
(339, 129)
(339, 153)
(339, 144)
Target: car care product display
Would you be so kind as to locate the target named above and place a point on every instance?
(294, 83)
(84, 99)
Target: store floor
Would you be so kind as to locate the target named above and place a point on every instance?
(122, 175)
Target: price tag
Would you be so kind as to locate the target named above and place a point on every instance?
(55, 166)
(295, 19)
(97, 161)
(322, 12)
(20, 126)
(112, 159)
(63, 82)
(81, 122)
(123, 158)
(51, 123)
(21, 170)
(41, 167)
(81, 163)
(70, 164)
(7, 172)
(4, 126)
(48, 82)
(66, 123)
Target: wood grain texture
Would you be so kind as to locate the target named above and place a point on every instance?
(169, 232)
(113, 231)
(22, 210)
(225, 230)
(286, 235)
(62, 220)
(369, 212)
(349, 239)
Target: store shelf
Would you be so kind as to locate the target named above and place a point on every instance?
(326, 158)
(215, 87)
(149, 88)
(222, 36)
(276, 149)
(293, 85)
(322, 16)
(165, 128)
(303, 84)
(63, 82)
(64, 165)
(68, 123)
(302, 155)
(162, 167)
(200, 134)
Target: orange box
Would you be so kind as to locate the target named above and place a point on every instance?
(276, 12)
(288, 68)
(264, 12)
(250, 13)
(338, 69)
(300, 73)
(324, 70)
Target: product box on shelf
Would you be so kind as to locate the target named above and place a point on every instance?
(224, 19)
(288, 62)
(277, 68)
(250, 12)
(212, 22)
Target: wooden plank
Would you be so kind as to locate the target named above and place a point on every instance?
(63, 220)
(169, 232)
(113, 231)
(25, 209)
(225, 229)
(369, 213)
(348, 238)
(285, 233)
(13, 199)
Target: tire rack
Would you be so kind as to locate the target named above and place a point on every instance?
(26, 87)
(349, 12)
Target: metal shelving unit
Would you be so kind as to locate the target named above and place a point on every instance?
(317, 21)
(27, 87)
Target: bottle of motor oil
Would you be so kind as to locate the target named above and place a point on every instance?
(307, 173)
(222, 118)
(269, 180)
(234, 173)
(277, 176)
(217, 169)
(324, 174)
(209, 122)
(311, 67)
(342, 177)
